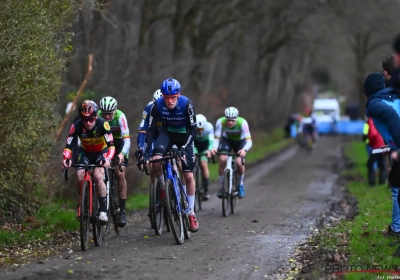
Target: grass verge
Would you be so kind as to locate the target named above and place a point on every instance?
(363, 240)
(48, 220)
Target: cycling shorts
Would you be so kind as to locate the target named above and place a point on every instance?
(164, 144)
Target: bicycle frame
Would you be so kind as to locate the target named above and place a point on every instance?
(87, 177)
(171, 172)
(173, 175)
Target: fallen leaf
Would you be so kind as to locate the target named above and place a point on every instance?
(336, 257)
(255, 221)
(70, 271)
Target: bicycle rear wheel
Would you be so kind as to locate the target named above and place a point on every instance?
(226, 196)
(151, 194)
(165, 217)
(174, 217)
(114, 202)
(156, 212)
(84, 219)
(108, 225)
(199, 182)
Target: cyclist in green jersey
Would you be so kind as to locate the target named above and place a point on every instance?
(120, 131)
(232, 133)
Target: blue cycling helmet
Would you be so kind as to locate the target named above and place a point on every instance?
(170, 87)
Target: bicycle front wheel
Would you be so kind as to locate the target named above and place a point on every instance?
(84, 219)
(226, 195)
(185, 217)
(174, 216)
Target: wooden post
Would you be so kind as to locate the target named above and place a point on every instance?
(65, 120)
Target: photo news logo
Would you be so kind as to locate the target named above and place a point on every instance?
(361, 268)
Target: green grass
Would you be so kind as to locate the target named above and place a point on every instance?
(49, 219)
(367, 244)
(137, 202)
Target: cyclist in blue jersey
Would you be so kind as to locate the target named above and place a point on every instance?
(179, 128)
(143, 126)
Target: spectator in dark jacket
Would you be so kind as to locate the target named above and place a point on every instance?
(383, 106)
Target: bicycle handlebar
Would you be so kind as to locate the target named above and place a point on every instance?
(84, 165)
(212, 159)
(174, 153)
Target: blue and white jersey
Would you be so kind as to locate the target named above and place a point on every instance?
(181, 119)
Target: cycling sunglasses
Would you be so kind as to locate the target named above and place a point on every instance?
(88, 119)
(166, 96)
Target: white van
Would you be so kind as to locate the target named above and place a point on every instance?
(326, 110)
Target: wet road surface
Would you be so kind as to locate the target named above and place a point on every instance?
(284, 197)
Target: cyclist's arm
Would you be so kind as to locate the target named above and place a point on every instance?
(123, 124)
(109, 141)
(246, 135)
(71, 142)
(210, 137)
(192, 126)
(218, 132)
(152, 129)
(143, 127)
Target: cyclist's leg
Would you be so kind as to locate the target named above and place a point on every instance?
(152, 176)
(122, 185)
(237, 146)
(203, 146)
(182, 177)
(190, 186)
(122, 189)
(161, 146)
(224, 146)
(98, 175)
(80, 171)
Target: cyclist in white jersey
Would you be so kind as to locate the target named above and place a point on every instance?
(232, 133)
(203, 143)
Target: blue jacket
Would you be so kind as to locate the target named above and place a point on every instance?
(384, 108)
(144, 125)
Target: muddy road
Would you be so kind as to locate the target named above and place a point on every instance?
(284, 197)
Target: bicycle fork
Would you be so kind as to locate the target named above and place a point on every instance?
(88, 179)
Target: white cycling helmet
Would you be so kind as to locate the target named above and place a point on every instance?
(108, 104)
(157, 94)
(201, 121)
(231, 113)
